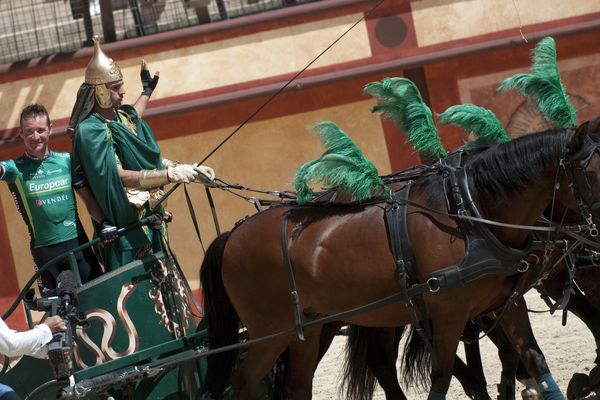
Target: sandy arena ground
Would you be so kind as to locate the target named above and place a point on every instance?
(568, 349)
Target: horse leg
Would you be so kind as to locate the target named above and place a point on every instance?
(516, 326)
(280, 379)
(447, 330)
(328, 333)
(470, 375)
(586, 306)
(589, 314)
(302, 363)
(472, 385)
(512, 366)
(381, 359)
(510, 361)
(472, 351)
(509, 358)
(259, 360)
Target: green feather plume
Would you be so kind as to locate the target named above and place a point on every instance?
(342, 166)
(478, 120)
(400, 101)
(544, 87)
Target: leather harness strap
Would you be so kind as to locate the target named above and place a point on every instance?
(193, 217)
(291, 278)
(404, 258)
(485, 254)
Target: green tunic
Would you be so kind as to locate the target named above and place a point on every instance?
(100, 145)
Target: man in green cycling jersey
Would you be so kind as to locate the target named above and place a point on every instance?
(121, 159)
(42, 184)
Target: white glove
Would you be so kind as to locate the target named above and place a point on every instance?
(186, 173)
(182, 173)
(207, 175)
(168, 163)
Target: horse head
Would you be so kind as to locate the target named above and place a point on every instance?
(582, 168)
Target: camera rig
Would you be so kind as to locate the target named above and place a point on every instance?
(63, 304)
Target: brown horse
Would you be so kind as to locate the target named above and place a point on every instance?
(341, 260)
(372, 352)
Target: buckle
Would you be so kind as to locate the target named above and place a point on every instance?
(434, 284)
(523, 266)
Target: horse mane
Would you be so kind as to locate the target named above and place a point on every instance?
(510, 167)
(432, 189)
(503, 168)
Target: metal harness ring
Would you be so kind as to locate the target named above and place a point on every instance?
(434, 284)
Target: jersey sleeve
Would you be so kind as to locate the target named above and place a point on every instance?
(77, 179)
(8, 171)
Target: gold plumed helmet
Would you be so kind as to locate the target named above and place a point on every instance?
(100, 70)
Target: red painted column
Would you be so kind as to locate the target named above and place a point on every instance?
(9, 286)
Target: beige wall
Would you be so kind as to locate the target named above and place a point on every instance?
(438, 21)
(520, 117)
(206, 66)
(287, 50)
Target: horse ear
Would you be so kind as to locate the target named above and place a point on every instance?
(577, 139)
(594, 127)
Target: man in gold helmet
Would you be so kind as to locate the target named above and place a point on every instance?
(120, 158)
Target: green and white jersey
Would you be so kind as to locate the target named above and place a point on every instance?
(43, 193)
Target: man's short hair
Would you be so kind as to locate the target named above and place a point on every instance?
(33, 110)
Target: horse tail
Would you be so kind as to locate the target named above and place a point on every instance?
(416, 363)
(277, 377)
(221, 318)
(357, 377)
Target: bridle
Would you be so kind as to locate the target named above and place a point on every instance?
(575, 169)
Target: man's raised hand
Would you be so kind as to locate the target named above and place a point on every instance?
(148, 82)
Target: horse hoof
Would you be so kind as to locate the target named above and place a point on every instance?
(578, 386)
(530, 394)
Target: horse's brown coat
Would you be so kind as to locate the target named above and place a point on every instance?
(341, 260)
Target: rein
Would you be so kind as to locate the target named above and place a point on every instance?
(569, 230)
(285, 197)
